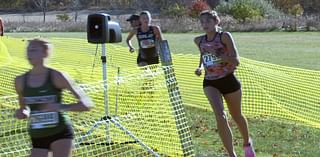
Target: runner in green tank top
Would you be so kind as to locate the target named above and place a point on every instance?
(39, 92)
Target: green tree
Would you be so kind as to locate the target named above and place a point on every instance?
(297, 11)
(285, 5)
(63, 17)
(13, 4)
(248, 9)
(244, 11)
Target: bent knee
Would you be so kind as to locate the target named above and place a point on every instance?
(221, 116)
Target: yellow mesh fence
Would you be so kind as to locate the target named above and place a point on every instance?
(139, 100)
(268, 89)
(143, 99)
(4, 55)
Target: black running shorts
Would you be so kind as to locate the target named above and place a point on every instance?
(225, 85)
(45, 142)
(150, 56)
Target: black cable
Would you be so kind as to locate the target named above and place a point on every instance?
(94, 61)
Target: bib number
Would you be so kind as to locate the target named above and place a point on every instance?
(210, 59)
(147, 43)
(42, 120)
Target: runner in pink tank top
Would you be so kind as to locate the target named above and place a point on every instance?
(219, 58)
(214, 66)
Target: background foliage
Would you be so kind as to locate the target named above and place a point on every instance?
(236, 15)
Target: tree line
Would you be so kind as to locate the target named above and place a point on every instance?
(39, 5)
(257, 8)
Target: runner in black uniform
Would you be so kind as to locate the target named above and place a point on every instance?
(39, 92)
(147, 36)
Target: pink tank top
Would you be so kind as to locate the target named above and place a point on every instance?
(214, 66)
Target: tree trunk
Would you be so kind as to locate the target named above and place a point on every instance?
(76, 16)
(44, 16)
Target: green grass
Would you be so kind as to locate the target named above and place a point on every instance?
(272, 137)
(295, 49)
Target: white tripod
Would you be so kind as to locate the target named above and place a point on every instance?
(107, 118)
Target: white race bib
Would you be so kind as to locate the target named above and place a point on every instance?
(40, 99)
(40, 120)
(147, 43)
(210, 59)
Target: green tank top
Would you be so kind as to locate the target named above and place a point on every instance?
(42, 124)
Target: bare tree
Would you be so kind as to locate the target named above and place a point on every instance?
(43, 6)
(97, 2)
(75, 6)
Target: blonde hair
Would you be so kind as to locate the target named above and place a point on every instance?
(45, 44)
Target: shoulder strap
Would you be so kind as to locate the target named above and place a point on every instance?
(25, 81)
(203, 37)
(220, 34)
(50, 79)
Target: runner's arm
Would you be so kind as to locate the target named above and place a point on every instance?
(130, 35)
(158, 33)
(23, 111)
(233, 58)
(62, 81)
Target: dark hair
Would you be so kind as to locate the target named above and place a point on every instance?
(212, 14)
(133, 17)
(146, 13)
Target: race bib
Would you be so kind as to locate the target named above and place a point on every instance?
(40, 120)
(147, 43)
(40, 99)
(210, 59)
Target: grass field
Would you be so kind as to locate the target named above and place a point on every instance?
(295, 49)
(273, 137)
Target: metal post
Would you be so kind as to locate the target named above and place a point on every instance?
(105, 89)
(117, 90)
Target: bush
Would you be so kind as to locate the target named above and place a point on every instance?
(63, 17)
(248, 9)
(244, 11)
(197, 7)
(296, 10)
(175, 10)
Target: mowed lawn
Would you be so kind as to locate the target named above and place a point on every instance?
(273, 137)
(295, 49)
